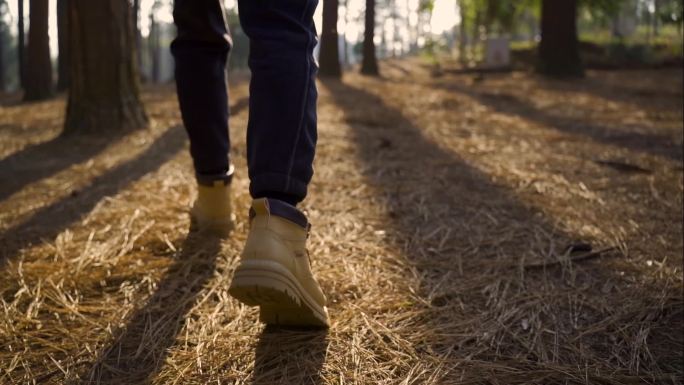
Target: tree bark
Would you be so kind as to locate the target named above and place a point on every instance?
(38, 75)
(330, 53)
(369, 64)
(20, 42)
(104, 94)
(63, 44)
(559, 48)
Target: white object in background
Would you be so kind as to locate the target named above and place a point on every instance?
(625, 22)
(497, 53)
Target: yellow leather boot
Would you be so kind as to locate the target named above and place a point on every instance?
(212, 211)
(275, 272)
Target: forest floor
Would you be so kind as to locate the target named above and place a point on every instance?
(467, 229)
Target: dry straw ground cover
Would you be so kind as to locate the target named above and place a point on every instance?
(443, 211)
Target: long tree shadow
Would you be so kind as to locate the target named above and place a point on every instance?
(39, 161)
(477, 250)
(42, 160)
(512, 105)
(49, 221)
(289, 356)
(607, 85)
(138, 352)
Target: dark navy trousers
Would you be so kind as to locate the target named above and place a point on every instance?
(281, 133)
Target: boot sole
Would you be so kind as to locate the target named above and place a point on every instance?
(282, 299)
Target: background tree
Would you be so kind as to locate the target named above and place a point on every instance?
(502, 16)
(38, 72)
(671, 12)
(154, 43)
(3, 65)
(425, 9)
(369, 63)
(20, 41)
(8, 52)
(104, 94)
(656, 18)
(63, 46)
(559, 48)
(345, 43)
(330, 54)
(136, 33)
(382, 50)
(396, 30)
(463, 31)
(240, 51)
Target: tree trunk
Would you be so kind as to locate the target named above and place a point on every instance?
(383, 41)
(154, 41)
(330, 54)
(476, 35)
(345, 44)
(417, 31)
(534, 25)
(104, 94)
(463, 32)
(656, 17)
(63, 44)
(38, 65)
(407, 26)
(20, 42)
(369, 64)
(137, 34)
(3, 85)
(396, 38)
(559, 48)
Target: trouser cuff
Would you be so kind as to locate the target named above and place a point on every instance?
(283, 210)
(262, 184)
(211, 179)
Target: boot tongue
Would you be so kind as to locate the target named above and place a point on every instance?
(259, 207)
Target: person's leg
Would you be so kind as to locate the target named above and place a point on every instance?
(200, 51)
(274, 271)
(281, 134)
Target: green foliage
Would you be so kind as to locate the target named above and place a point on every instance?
(602, 11)
(426, 6)
(622, 53)
(671, 12)
(429, 52)
(607, 7)
(495, 14)
(505, 15)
